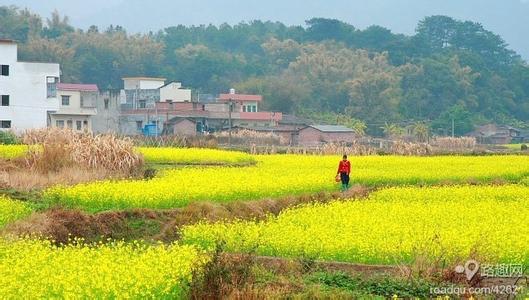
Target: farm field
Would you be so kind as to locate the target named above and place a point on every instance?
(160, 155)
(34, 269)
(11, 210)
(442, 209)
(282, 175)
(516, 147)
(391, 226)
(12, 151)
(194, 157)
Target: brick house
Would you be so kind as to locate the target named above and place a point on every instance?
(182, 126)
(320, 134)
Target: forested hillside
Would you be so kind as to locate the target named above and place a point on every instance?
(325, 69)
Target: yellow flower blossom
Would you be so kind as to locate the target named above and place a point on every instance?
(281, 175)
(393, 225)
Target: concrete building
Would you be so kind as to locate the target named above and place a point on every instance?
(147, 101)
(77, 106)
(143, 83)
(106, 120)
(173, 92)
(243, 103)
(28, 90)
(320, 134)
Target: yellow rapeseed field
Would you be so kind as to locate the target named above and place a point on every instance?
(394, 225)
(282, 175)
(163, 155)
(35, 269)
(193, 156)
(12, 151)
(12, 210)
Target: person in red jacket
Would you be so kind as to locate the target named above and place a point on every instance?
(344, 169)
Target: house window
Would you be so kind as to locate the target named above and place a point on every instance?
(5, 100)
(106, 103)
(254, 108)
(59, 123)
(143, 104)
(51, 87)
(85, 124)
(5, 124)
(69, 123)
(65, 100)
(5, 70)
(139, 125)
(244, 108)
(79, 125)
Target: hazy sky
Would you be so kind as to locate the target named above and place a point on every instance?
(509, 18)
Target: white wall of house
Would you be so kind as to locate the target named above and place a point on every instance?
(75, 122)
(74, 113)
(143, 83)
(175, 93)
(26, 85)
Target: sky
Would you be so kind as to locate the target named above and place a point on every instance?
(508, 18)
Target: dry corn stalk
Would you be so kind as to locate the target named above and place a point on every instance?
(64, 147)
(251, 136)
(403, 148)
(454, 143)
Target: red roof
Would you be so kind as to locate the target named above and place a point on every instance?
(77, 87)
(240, 97)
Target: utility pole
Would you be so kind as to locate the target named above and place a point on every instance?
(453, 127)
(230, 103)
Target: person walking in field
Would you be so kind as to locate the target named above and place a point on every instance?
(344, 169)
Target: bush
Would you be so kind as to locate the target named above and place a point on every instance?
(8, 138)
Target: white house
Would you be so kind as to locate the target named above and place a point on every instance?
(173, 92)
(143, 83)
(77, 106)
(28, 90)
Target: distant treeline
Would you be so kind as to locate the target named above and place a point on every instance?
(327, 69)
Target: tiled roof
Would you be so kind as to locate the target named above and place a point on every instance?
(240, 97)
(77, 87)
(331, 128)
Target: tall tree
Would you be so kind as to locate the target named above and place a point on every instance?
(57, 26)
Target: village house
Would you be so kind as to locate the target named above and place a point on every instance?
(319, 134)
(499, 134)
(182, 126)
(108, 110)
(146, 101)
(28, 90)
(77, 106)
(168, 109)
